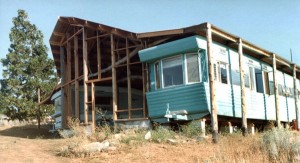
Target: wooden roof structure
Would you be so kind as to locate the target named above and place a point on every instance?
(67, 26)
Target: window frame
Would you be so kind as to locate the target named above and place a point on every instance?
(162, 71)
(219, 76)
(157, 75)
(186, 68)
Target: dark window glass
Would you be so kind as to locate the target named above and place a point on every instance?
(172, 71)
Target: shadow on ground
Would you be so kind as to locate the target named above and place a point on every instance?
(28, 131)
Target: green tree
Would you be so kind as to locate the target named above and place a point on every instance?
(27, 68)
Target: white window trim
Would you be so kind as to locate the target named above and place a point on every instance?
(162, 72)
(219, 72)
(159, 67)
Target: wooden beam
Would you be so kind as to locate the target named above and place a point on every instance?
(99, 80)
(296, 95)
(71, 37)
(58, 34)
(114, 78)
(276, 95)
(77, 99)
(242, 84)
(128, 80)
(144, 90)
(69, 76)
(85, 76)
(63, 80)
(93, 106)
(98, 57)
(213, 105)
(160, 33)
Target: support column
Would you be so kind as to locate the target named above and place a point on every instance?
(85, 76)
(77, 99)
(276, 92)
(128, 80)
(243, 94)
(98, 56)
(213, 105)
(202, 127)
(114, 78)
(296, 97)
(69, 76)
(63, 80)
(93, 106)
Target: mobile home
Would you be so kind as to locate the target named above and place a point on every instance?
(174, 75)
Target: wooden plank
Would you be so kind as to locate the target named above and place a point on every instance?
(69, 76)
(71, 37)
(144, 91)
(242, 84)
(160, 33)
(98, 57)
(77, 99)
(99, 80)
(213, 105)
(277, 109)
(63, 80)
(296, 97)
(129, 99)
(114, 78)
(85, 76)
(93, 106)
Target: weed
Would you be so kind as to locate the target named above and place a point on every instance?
(281, 145)
(191, 130)
(161, 134)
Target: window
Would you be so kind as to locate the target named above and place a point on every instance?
(172, 71)
(251, 80)
(267, 87)
(235, 76)
(223, 73)
(157, 75)
(192, 68)
(259, 81)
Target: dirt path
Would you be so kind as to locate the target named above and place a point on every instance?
(27, 144)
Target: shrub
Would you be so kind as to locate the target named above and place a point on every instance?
(281, 145)
(161, 134)
(192, 129)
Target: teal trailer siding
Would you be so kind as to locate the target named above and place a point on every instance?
(189, 44)
(195, 98)
(191, 98)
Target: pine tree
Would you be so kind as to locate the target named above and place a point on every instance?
(27, 68)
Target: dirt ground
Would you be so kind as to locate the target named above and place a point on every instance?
(28, 144)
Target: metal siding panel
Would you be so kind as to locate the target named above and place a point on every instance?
(165, 50)
(188, 97)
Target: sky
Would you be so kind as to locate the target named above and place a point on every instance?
(273, 25)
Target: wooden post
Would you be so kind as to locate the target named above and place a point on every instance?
(144, 91)
(276, 92)
(63, 80)
(243, 94)
(93, 106)
(296, 97)
(128, 80)
(213, 105)
(230, 128)
(202, 127)
(114, 78)
(77, 99)
(98, 56)
(39, 109)
(85, 76)
(69, 76)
